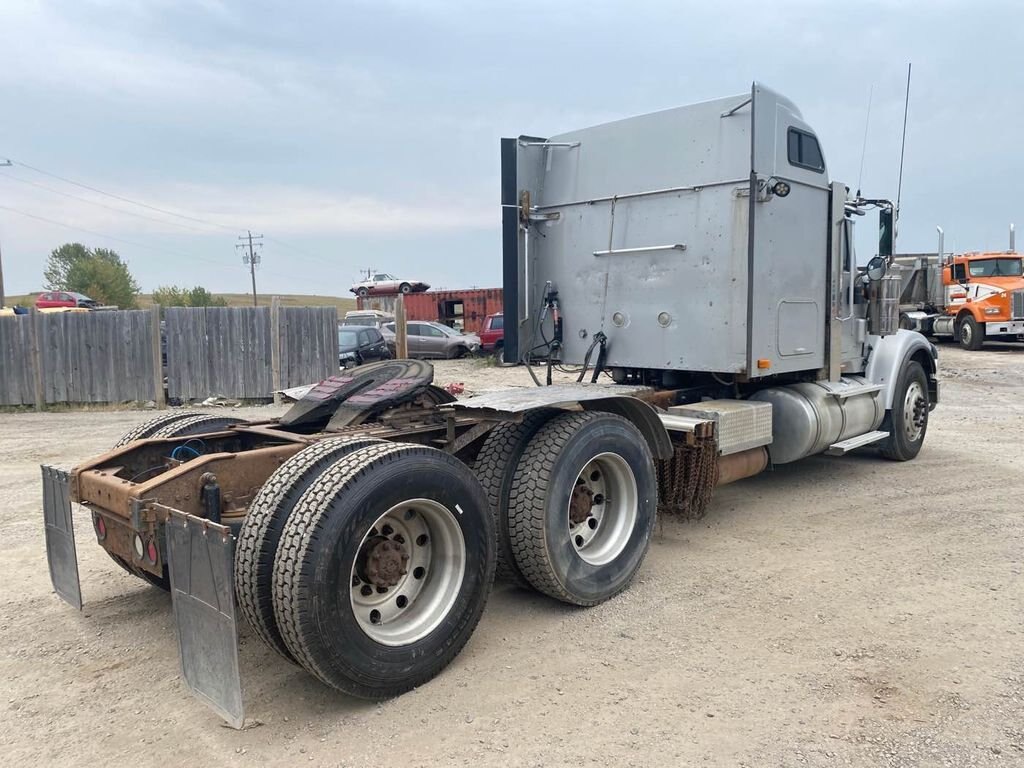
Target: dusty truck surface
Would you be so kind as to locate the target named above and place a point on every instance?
(699, 258)
(968, 297)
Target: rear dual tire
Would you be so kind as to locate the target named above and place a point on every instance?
(582, 507)
(261, 532)
(382, 569)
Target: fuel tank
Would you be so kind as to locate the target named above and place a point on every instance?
(809, 417)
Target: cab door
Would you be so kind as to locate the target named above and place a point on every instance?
(788, 281)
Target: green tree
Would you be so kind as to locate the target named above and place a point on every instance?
(174, 296)
(60, 263)
(99, 274)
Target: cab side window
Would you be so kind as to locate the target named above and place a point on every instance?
(804, 151)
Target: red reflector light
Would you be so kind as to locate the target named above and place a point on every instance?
(151, 551)
(101, 527)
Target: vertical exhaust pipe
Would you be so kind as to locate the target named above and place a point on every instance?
(1012, 238)
(942, 236)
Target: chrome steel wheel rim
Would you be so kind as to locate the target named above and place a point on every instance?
(608, 485)
(429, 579)
(965, 333)
(915, 411)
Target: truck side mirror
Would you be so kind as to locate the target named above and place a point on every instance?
(876, 268)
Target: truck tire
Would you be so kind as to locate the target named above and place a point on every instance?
(582, 507)
(199, 424)
(494, 467)
(907, 421)
(147, 428)
(971, 333)
(383, 569)
(261, 531)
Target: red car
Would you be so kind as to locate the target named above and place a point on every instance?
(51, 299)
(492, 334)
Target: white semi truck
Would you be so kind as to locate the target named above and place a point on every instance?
(700, 257)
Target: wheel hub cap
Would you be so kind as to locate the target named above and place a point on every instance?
(602, 509)
(915, 411)
(385, 563)
(408, 573)
(580, 504)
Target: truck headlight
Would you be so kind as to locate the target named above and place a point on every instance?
(991, 310)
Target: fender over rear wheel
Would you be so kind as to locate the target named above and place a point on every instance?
(582, 507)
(383, 569)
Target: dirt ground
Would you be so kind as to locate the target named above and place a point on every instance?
(834, 612)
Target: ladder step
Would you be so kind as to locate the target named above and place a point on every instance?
(840, 449)
(861, 389)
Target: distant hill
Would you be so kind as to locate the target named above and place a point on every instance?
(343, 305)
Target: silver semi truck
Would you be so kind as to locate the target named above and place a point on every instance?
(696, 265)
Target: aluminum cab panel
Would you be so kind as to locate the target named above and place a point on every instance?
(789, 248)
(700, 289)
(739, 291)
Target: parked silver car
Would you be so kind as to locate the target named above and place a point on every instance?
(429, 339)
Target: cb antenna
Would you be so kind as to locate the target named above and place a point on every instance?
(864, 148)
(903, 146)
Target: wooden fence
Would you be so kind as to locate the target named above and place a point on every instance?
(114, 357)
(79, 357)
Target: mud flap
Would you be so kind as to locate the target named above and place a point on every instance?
(200, 556)
(61, 556)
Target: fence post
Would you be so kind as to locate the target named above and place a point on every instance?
(275, 348)
(35, 319)
(158, 363)
(401, 340)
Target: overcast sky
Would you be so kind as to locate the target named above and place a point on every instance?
(365, 134)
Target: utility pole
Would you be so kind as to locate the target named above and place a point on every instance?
(3, 299)
(251, 257)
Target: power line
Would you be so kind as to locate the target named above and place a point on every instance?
(155, 208)
(123, 199)
(110, 237)
(104, 205)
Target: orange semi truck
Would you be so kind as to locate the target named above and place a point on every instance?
(968, 297)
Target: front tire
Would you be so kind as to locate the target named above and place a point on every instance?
(384, 568)
(363, 292)
(907, 421)
(582, 507)
(972, 334)
(405, 288)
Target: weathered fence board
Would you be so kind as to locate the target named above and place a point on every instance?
(309, 344)
(17, 384)
(229, 351)
(83, 357)
(218, 351)
(110, 357)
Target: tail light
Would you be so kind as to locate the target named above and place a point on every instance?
(140, 547)
(151, 552)
(100, 525)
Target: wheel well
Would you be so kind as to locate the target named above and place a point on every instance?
(964, 313)
(643, 418)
